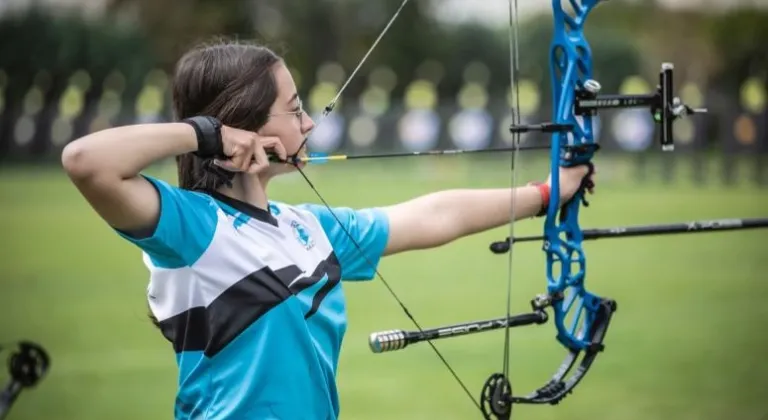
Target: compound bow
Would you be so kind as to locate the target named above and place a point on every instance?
(581, 318)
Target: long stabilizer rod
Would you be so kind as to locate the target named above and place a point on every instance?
(392, 340)
(701, 226)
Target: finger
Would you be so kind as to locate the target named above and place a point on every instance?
(275, 145)
(239, 155)
(235, 163)
(253, 156)
(247, 164)
(227, 164)
(275, 150)
(260, 159)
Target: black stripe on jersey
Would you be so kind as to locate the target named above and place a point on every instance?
(320, 295)
(211, 329)
(329, 266)
(175, 330)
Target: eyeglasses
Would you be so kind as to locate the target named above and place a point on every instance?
(299, 114)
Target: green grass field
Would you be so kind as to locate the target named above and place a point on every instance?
(688, 342)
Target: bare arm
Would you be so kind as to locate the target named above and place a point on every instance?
(436, 219)
(105, 167)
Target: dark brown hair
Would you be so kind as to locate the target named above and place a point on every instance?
(231, 81)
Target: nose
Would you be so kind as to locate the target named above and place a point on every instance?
(307, 124)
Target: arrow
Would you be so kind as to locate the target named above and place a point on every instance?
(322, 157)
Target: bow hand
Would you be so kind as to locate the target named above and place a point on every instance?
(574, 180)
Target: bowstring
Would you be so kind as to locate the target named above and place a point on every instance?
(514, 68)
(328, 109)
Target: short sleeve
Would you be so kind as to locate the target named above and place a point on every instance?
(184, 229)
(368, 228)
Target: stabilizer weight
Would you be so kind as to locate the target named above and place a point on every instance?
(385, 341)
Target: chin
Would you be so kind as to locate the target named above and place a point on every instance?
(288, 168)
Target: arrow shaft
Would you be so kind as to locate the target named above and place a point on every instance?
(414, 154)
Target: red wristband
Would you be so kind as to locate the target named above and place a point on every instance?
(545, 191)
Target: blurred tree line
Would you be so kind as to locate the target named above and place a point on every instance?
(138, 35)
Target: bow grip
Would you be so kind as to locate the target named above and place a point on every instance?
(577, 155)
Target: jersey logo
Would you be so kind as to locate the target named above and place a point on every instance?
(274, 209)
(301, 235)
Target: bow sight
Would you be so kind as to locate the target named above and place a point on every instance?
(664, 107)
(662, 104)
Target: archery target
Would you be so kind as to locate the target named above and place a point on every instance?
(327, 134)
(363, 131)
(684, 131)
(471, 129)
(419, 130)
(61, 131)
(24, 130)
(745, 130)
(633, 129)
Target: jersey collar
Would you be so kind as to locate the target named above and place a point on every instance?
(257, 213)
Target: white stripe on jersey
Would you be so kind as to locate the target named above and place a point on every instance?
(233, 254)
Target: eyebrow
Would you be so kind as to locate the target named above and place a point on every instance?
(293, 98)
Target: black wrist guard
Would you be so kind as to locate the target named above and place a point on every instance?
(208, 130)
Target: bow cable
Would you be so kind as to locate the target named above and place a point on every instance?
(514, 68)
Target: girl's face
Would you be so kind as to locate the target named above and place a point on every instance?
(287, 119)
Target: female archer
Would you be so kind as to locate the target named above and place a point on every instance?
(248, 290)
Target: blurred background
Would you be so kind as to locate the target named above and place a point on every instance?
(689, 338)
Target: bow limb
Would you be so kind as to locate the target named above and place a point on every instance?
(580, 317)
